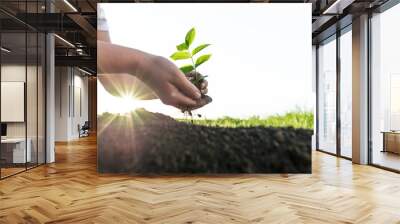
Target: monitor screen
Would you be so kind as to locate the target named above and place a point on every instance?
(3, 129)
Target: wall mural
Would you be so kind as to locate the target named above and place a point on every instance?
(204, 88)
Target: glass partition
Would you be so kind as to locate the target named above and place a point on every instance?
(346, 93)
(31, 99)
(327, 95)
(13, 105)
(22, 92)
(385, 89)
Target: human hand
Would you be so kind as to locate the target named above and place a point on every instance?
(198, 80)
(171, 85)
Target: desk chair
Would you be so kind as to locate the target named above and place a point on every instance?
(84, 130)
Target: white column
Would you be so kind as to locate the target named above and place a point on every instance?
(360, 90)
(50, 99)
(50, 92)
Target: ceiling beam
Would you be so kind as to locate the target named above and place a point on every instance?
(337, 6)
(320, 22)
(81, 61)
(84, 24)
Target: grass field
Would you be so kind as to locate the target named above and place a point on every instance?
(295, 119)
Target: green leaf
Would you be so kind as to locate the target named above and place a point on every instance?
(186, 68)
(190, 37)
(202, 59)
(179, 55)
(199, 48)
(182, 47)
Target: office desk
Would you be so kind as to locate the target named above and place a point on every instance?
(391, 141)
(16, 147)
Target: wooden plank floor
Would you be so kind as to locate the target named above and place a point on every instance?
(70, 191)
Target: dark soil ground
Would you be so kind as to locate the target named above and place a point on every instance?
(151, 143)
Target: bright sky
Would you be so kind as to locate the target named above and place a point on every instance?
(261, 62)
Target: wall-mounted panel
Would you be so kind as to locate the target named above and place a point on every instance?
(12, 101)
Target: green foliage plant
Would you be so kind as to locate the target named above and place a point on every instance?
(185, 51)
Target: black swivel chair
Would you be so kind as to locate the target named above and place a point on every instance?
(84, 130)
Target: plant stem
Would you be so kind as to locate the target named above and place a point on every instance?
(191, 57)
(194, 66)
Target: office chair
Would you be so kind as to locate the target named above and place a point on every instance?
(84, 130)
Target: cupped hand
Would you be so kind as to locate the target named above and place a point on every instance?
(171, 85)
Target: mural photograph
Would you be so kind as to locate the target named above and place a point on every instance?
(204, 88)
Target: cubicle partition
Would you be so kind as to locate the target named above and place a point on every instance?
(22, 78)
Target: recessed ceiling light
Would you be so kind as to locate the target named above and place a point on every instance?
(5, 50)
(338, 6)
(70, 5)
(84, 71)
(64, 40)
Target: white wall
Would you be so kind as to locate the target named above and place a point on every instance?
(16, 73)
(12, 73)
(33, 127)
(80, 109)
(70, 83)
(61, 103)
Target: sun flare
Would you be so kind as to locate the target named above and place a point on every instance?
(127, 104)
(123, 104)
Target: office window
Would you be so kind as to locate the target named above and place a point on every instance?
(346, 93)
(385, 89)
(327, 95)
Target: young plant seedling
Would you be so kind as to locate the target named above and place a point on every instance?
(186, 52)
